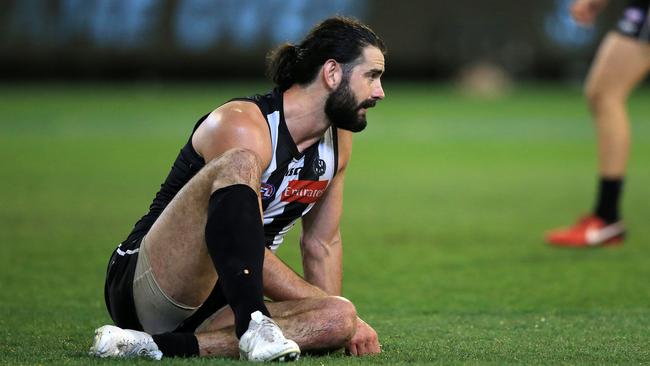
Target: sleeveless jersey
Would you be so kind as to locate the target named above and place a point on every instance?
(290, 186)
(293, 181)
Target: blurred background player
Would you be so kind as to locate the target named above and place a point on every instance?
(621, 63)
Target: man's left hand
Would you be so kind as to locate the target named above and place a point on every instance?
(364, 341)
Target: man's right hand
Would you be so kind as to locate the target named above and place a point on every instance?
(585, 11)
(364, 341)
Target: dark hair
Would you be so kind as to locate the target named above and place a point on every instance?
(338, 38)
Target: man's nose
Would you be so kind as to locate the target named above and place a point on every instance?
(378, 92)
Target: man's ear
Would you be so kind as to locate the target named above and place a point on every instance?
(332, 74)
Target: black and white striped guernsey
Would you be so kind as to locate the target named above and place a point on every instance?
(293, 181)
(291, 184)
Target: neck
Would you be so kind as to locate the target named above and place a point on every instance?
(304, 113)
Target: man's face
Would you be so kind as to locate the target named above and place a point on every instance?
(359, 90)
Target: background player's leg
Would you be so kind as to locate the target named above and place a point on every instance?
(316, 324)
(620, 64)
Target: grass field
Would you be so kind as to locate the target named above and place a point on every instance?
(447, 199)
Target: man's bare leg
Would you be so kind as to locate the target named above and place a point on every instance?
(316, 324)
(621, 63)
(176, 243)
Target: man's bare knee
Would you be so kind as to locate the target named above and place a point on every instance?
(600, 97)
(235, 166)
(341, 315)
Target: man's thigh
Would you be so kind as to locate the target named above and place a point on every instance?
(156, 311)
(176, 246)
(620, 64)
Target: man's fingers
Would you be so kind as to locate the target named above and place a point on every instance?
(376, 347)
(365, 341)
(358, 348)
(582, 13)
(371, 347)
(361, 349)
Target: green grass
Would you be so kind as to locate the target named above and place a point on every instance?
(446, 201)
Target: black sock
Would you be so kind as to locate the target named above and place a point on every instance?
(609, 194)
(177, 344)
(234, 235)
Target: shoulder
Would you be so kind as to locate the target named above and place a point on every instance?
(236, 124)
(238, 113)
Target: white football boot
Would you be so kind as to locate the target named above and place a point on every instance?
(111, 341)
(264, 341)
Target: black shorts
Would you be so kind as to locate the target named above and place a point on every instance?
(635, 21)
(118, 289)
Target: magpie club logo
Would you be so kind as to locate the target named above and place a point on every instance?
(319, 167)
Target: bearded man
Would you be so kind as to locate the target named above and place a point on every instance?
(192, 276)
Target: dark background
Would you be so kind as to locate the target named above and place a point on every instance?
(198, 39)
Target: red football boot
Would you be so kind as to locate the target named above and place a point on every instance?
(589, 231)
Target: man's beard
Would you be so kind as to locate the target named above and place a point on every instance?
(342, 110)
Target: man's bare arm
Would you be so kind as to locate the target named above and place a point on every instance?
(322, 249)
(320, 241)
(281, 283)
(586, 11)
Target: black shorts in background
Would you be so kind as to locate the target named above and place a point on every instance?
(635, 22)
